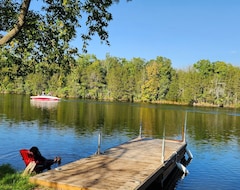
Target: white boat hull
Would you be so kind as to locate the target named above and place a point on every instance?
(45, 98)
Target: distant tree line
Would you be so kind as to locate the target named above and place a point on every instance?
(118, 79)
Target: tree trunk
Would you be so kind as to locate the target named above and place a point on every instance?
(21, 19)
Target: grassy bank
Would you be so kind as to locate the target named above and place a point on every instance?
(11, 179)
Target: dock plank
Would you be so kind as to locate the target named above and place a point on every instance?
(127, 166)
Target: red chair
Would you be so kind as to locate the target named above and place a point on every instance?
(30, 163)
(26, 156)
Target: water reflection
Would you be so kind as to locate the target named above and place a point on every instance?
(71, 129)
(44, 104)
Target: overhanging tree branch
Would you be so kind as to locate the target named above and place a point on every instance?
(17, 28)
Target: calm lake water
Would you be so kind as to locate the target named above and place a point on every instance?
(70, 129)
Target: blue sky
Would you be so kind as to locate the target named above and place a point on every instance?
(185, 31)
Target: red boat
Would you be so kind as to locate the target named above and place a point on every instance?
(45, 98)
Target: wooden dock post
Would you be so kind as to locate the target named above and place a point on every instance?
(163, 145)
(99, 143)
(140, 131)
(185, 128)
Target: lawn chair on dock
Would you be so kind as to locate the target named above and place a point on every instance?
(31, 165)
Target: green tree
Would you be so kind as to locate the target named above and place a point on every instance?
(234, 89)
(174, 92)
(188, 86)
(73, 87)
(66, 11)
(136, 77)
(204, 71)
(204, 67)
(35, 83)
(114, 79)
(165, 76)
(225, 83)
(157, 81)
(151, 85)
(15, 16)
(78, 79)
(95, 79)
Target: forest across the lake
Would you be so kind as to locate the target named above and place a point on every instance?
(136, 80)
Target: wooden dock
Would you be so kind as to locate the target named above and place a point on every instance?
(132, 165)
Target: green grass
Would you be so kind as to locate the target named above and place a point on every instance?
(10, 179)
